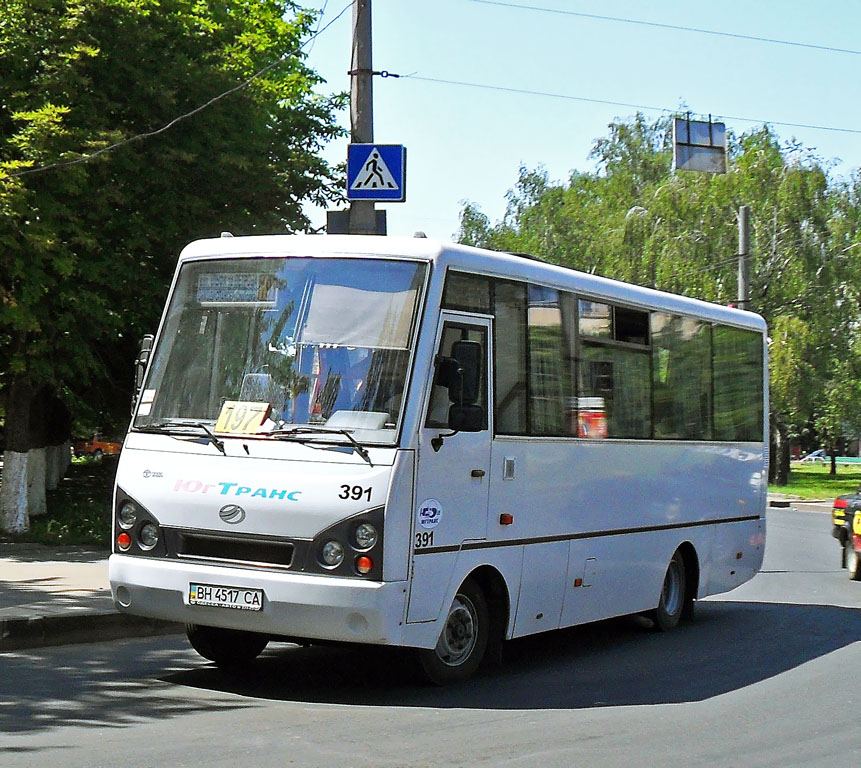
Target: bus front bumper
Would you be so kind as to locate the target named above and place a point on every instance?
(296, 606)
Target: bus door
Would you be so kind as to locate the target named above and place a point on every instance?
(453, 474)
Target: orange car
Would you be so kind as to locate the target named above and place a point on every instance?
(96, 447)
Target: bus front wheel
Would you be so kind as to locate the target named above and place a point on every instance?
(672, 600)
(228, 648)
(463, 640)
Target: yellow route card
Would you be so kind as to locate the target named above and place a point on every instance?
(239, 417)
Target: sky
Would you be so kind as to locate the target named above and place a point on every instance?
(466, 143)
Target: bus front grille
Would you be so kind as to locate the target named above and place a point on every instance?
(234, 549)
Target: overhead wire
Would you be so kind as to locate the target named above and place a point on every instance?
(167, 126)
(319, 22)
(571, 97)
(460, 83)
(673, 27)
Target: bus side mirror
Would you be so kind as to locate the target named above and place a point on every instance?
(465, 387)
(140, 365)
(466, 418)
(462, 374)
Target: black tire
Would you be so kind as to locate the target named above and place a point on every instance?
(463, 640)
(853, 560)
(671, 603)
(97, 454)
(229, 648)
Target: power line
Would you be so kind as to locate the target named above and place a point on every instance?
(674, 27)
(570, 97)
(167, 126)
(319, 22)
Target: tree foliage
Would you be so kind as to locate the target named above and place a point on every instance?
(86, 250)
(634, 220)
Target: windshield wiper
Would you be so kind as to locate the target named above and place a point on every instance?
(293, 431)
(168, 427)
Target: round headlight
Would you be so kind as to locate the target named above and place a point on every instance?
(128, 515)
(148, 536)
(366, 536)
(333, 553)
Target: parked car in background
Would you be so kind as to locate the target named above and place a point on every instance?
(815, 457)
(846, 528)
(96, 446)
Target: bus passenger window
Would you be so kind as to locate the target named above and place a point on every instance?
(550, 390)
(681, 377)
(738, 398)
(614, 392)
(510, 353)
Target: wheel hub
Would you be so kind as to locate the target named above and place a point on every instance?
(458, 638)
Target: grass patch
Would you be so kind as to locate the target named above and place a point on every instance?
(814, 482)
(79, 510)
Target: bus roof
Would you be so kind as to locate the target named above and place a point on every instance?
(469, 259)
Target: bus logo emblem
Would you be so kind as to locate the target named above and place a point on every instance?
(430, 513)
(232, 514)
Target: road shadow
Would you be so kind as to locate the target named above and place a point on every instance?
(731, 645)
(619, 662)
(99, 686)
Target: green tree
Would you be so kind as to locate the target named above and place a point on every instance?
(634, 220)
(86, 250)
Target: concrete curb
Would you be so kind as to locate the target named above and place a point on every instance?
(780, 503)
(24, 632)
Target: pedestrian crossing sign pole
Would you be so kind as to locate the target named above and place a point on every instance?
(377, 172)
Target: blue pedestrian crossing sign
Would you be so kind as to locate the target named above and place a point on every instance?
(377, 172)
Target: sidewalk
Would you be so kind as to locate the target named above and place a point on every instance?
(58, 595)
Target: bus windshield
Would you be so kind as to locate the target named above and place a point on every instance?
(322, 342)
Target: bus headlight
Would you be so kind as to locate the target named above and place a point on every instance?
(365, 536)
(332, 553)
(128, 515)
(148, 536)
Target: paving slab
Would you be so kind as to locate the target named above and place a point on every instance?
(57, 595)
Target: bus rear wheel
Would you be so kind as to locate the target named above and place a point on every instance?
(228, 648)
(463, 640)
(672, 600)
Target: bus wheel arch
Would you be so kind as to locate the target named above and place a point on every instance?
(692, 578)
(675, 597)
(498, 599)
(473, 627)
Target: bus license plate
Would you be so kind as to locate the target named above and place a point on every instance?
(222, 596)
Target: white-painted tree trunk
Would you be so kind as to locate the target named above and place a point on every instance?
(37, 461)
(13, 493)
(59, 458)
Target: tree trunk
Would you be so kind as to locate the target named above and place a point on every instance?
(772, 453)
(37, 457)
(58, 429)
(37, 503)
(58, 459)
(781, 458)
(14, 507)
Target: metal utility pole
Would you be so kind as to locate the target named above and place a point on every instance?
(363, 215)
(744, 257)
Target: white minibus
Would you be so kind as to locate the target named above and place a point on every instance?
(396, 441)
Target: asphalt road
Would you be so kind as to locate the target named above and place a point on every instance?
(768, 675)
